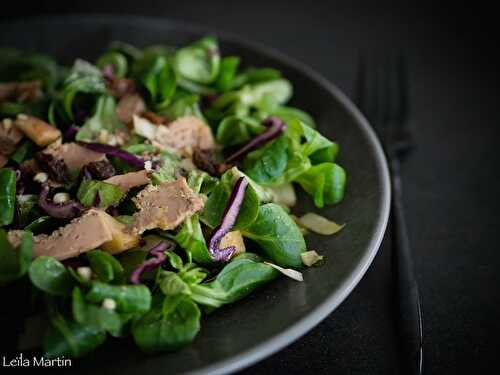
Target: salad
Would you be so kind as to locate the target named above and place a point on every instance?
(152, 185)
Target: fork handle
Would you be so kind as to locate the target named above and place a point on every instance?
(409, 312)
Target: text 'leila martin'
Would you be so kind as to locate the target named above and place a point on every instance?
(22, 361)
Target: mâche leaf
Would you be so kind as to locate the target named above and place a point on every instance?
(236, 280)
(217, 202)
(7, 195)
(106, 267)
(170, 324)
(84, 78)
(128, 298)
(325, 182)
(277, 235)
(104, 121)
(50, 276)
(269, 163)
(200, 61)
(117, 60)
(108, 194)
(14, 262)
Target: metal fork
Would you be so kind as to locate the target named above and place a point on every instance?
(382, 95)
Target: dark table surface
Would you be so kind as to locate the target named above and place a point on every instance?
(450, 180)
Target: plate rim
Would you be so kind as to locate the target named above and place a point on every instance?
(277, 342)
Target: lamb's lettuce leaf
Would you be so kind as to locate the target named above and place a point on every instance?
(103, 120)
(14, 263)
(325, 182)
(217, 202)
(171, 323)
(277, 235)
(50, 275)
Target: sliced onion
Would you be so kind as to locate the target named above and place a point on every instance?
(158, 253)
(131, 159)
(309, 258)
(144, 127)
(319, 224)
(284, 194)
(228, 220)
(293, 274)
(275, 127)
(66, 210)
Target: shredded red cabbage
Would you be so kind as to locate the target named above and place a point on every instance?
(158, 253)
(131, 159)
(69, 135)
(67, 210)
(113, 211)
(97, 199)
(228, 220)
(87, 174)
(108, 71)
(275, 127)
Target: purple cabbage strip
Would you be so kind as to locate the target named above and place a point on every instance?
(86, 173)
(67, 210)
(275, 127)
(113, 211)
(97, 199)
(159, 257)
(228, 220)
(131, 159)
(69, 135)
(108, 71)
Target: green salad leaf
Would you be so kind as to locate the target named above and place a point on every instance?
(158, 77)
(128, 298)
(171, 323)
(277, 235)
(69, 338)
(325, 182)
(94, 193)
(103, 120)
(227, 73)
(24, 151)
(199, 62)
(84, 78)
(95, 317)
(17, 65)
(268, 164)
(117, 60)
(235, 130)
(217, 202)
(106, 267)
(7, 196)
(50, 276)
(14, 262)
(237, 279)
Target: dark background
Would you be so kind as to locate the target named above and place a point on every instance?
(451, 181)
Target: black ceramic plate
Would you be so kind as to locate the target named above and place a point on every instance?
(273, 317)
